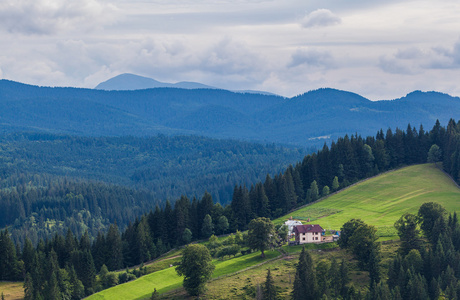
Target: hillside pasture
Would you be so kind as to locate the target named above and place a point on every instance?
(12, 290)
(167, 280)
(381, 200)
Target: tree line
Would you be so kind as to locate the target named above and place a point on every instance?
(346, 161)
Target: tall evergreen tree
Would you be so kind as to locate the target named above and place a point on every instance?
(305, 285)
(269, 289)
(114, 247)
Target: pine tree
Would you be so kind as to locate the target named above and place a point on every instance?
(345, 279)
(52, 291)
(77, 288)
(115, 248)
(314, 192)
(322, 277)
(28, 288)
(9, 268)
(269, 289)
(305, 285)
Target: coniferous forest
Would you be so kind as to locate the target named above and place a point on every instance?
(67, 262)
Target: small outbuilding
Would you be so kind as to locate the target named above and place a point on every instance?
(291, 224)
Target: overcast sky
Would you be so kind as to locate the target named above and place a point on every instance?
(378, 49)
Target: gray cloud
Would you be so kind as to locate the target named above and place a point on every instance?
(320, 18)
(48, 17)
(395, 66)
(311, 57)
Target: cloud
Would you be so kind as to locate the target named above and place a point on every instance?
(395, 66)
(320, 18)
(414, 60)
(445, 58)
(311, 57)
(44, 17)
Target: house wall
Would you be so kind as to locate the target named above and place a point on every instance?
(309, 237)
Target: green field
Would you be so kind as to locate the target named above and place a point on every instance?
(381, 200)
(167, 279)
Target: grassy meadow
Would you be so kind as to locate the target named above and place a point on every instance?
(381, 200)
(167, 279)
(378, 201)
(12, 290)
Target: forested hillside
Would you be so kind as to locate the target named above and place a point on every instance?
(50, 183)
(344, 162)
(306, 120)
(168, 167)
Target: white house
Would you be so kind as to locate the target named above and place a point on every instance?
(310, 233)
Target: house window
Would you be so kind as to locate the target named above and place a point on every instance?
(303, 239)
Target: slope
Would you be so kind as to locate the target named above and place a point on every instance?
(381, 200)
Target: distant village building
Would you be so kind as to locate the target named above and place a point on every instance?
(310, 233)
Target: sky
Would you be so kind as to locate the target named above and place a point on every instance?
(381, 50)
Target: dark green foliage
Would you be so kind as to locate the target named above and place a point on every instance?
(261, 233)
(344, 279)
(187, 236)
(196, 267)
(10, 268)
(155, 232)
(114, 249)
(222, 224)
(434, 154)
(407, 227)
(365, 248)
(429, 213)
(155, 295)
(28, 288)
(269, 288)
(322, 277)
(207, 229)
(347, 230)
(305, 284)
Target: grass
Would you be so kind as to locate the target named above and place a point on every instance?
(381, 200)
(244, 285)
(12, 290)
(167, 279)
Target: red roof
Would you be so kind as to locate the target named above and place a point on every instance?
(308, 228)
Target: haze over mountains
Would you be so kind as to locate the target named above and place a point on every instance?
(308, 119)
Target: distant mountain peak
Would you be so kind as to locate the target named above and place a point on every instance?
(128, 81)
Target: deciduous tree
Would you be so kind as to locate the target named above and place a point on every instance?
(261, 234)
(196, 267)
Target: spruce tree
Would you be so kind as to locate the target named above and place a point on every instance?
(305, 285)
(269, 289)
(114, 248)
(28, 288)
(345, 279)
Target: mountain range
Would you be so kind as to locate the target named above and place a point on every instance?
(131, 82)
(309, 119)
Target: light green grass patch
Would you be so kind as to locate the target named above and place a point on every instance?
(167, 279)
(380, 201)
